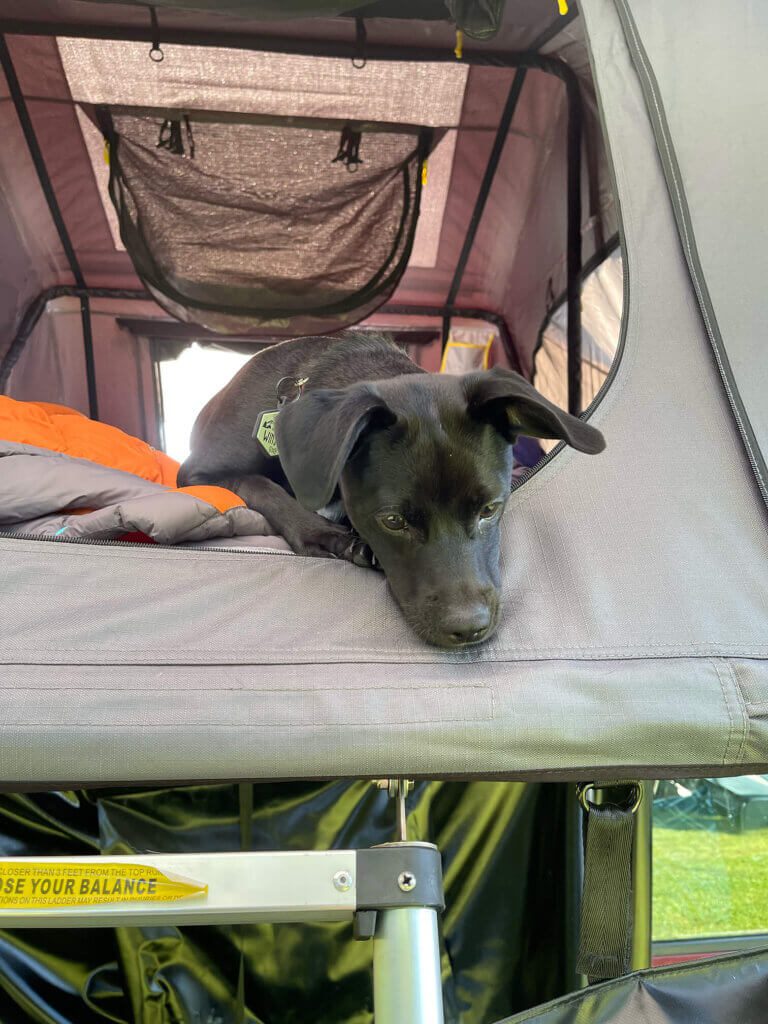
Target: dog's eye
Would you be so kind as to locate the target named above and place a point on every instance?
(393, 521)
(489, 511)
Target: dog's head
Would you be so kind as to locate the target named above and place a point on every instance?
(424, 466)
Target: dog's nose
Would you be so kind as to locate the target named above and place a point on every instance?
(467, 625)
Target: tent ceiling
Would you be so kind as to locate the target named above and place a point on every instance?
(240, 81)
(524, 21)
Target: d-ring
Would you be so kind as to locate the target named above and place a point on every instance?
(585, 788)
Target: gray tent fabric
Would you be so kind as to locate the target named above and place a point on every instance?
(715, 168)
(635, 594)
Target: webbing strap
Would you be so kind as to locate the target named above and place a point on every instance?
(605, 946)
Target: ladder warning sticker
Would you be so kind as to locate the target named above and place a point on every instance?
(41, 885)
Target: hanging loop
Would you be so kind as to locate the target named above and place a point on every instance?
(361, 38)
(156, 54)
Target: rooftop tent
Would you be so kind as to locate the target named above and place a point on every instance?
(634, 642)
(636, 639)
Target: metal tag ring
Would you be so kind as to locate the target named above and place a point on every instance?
(585, 788)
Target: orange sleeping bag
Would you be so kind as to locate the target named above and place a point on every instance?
(65, 430)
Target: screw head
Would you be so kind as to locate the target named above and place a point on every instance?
(342, 881)
(406, 881)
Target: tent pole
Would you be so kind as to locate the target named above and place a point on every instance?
(642, 882)
(345, 49)
(36, 308)
(485, 186)
(37, 158)
(407, 986)
(90, 368)
(574, 884)
(574, 260)
(445, 331)
(46, 185)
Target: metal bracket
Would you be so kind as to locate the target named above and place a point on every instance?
(398, 789)
(399, 875)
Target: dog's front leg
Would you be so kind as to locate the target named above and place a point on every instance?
(306, 532)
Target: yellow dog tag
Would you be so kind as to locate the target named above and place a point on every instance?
(265, 431)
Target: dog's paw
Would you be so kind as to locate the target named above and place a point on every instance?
(359, 553)
(313, 536)
(316, 537)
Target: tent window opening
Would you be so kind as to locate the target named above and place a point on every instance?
(189, 373)
(602, 304)
(187, 383)
(710, 864)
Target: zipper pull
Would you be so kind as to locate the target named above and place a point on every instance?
(459, 47)
(424, 174)
(106, 152)
(562, 6)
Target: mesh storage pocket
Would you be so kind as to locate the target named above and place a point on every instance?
(296, 225)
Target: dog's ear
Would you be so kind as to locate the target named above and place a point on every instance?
(316, 436)
(514, 407)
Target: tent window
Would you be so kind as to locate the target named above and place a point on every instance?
(710, 859)
(187, 383)
(602, 303)
(189, 373)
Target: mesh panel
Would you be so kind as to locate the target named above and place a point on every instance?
(242, 224)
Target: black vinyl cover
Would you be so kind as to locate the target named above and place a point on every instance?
(506, 934)
(296, 224)
(724, 990)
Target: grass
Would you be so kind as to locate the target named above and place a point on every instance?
(709, 882)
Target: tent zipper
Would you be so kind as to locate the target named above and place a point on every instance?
(129, 545)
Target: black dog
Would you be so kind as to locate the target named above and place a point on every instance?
(419, 464)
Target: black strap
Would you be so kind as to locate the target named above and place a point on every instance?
(361, 39)
(605, 947)
(349, 148)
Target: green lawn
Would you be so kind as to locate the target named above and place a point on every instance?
(709, 882)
